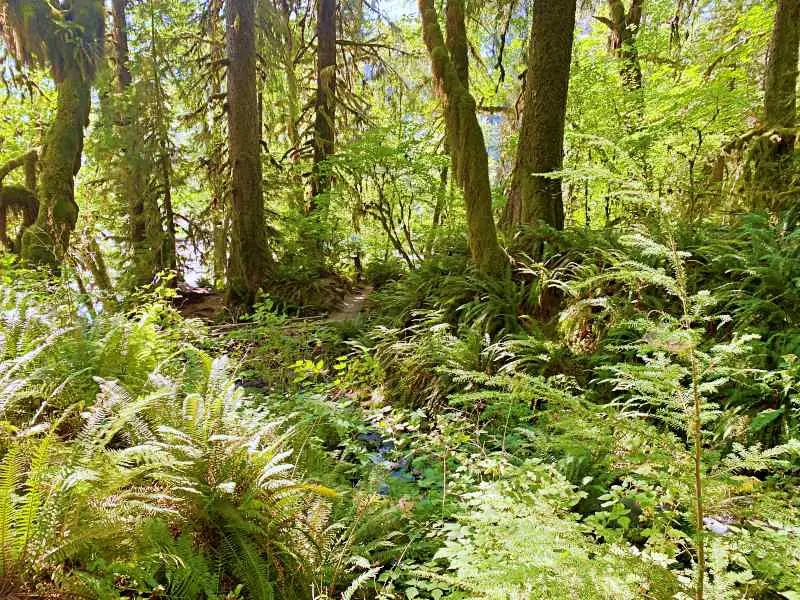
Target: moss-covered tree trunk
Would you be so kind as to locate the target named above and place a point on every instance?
(324, 140)
(247, 261)
(465, 138)
(221, 213)
(47, 240)
(167, 250)
(438, 209)
(325, 117)
(780, 89)
(17, 199)
(772, 144)
(146, 234)
(623, 26)
(292, 96)
(535, 198)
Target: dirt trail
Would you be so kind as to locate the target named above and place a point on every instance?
(351, 305)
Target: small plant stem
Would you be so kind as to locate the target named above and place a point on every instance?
(444, 479)
(697, 425)
(698, 478)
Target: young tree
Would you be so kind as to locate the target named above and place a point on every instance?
(248, 257)
(470, 161)
(70, 42)
(292, 93)
(533, 197)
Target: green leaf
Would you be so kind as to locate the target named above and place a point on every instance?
(764, 418)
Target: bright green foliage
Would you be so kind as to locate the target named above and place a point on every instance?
(607, 411)
(517, 539)
(216, 469)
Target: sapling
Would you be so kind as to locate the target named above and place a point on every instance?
(696, 427)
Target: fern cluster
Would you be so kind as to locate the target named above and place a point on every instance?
(145, 467)
(655, 388)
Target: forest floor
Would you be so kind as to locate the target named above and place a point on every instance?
(351, 305)
(201, 303)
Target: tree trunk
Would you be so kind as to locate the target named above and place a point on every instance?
(324, 122)
(166, 250)
(438, 208)
(780, 90)
(535, 198)
(145, 229)
(120, 36)
(93, 260)
(169, 238)
(47, 240)
(20, 200)
(247, 261)
(776, 142)
(221, 230)
(291, 79)
(623, 26)
(465, 138)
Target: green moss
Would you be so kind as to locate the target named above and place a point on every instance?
(48, 240)
(465, 137)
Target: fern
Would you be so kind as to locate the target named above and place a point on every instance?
(516, 539)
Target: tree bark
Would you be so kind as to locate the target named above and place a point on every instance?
(465, 137)
(325, 119)
(247, 261)
(21, 200)
(47, 240)
(120, 36)
(291, 78)
(221, 229)
(776, 142)
(780, 90)
(438, 209)
(146, 234)
(167, 249)
(535, 198)
(623, 26)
